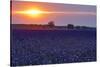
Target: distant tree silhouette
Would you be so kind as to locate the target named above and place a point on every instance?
(78, 27)
(51, 24)
(70, 26)
(84, 27)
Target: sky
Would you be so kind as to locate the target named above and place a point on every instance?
(61, 14)
(88, 2)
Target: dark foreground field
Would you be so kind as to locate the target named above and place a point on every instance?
(51, 47)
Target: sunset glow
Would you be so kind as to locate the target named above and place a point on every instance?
(30, 12)
(38, 12)
(24, 12)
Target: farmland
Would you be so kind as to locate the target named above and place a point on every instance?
(38, 47)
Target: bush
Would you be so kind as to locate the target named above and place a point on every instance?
(70, 26)
(51, 24)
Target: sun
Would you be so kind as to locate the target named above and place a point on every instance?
(33, 12)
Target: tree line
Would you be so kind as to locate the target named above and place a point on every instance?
(68, 26)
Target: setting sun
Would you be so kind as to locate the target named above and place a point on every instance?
(30, 12)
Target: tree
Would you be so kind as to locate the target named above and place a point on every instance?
(51, 24)
(78, 27)
(70, 26)
(84, 27)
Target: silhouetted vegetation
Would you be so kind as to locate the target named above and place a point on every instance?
(70, 26)
(78, 27)
(84, 27)
(51, 24)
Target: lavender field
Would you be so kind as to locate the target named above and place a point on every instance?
(38, 47)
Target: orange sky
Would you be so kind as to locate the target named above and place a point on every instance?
(60, 13)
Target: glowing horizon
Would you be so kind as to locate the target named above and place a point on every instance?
(36, 12)
(62, 14)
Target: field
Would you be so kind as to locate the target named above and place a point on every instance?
(38, 47)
